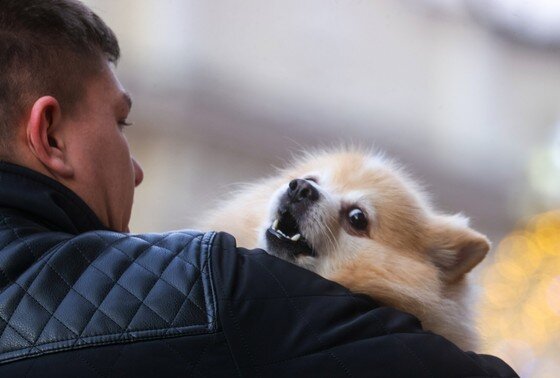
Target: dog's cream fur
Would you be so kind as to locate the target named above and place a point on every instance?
(410, 257)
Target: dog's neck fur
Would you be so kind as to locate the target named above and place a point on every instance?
(454, 319)
(442, 308)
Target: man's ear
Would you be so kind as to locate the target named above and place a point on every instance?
(455, 247)
(45, 136)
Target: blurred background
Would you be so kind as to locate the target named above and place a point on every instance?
(465, 93)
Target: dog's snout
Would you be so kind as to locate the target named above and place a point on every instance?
(299, 190)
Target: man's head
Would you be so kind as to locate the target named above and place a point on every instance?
(62, 109)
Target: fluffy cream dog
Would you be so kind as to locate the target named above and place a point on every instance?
(358, 219)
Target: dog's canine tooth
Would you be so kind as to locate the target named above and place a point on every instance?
(275, 225)
(296, 237)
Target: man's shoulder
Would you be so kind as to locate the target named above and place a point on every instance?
(62, 291)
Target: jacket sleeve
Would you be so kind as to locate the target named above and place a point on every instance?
(282, 320)
(193, 304)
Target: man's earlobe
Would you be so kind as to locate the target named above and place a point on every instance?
(45, 137)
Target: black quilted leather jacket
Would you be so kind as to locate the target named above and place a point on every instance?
(78, 300)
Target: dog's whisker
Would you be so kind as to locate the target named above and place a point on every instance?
(333, 241)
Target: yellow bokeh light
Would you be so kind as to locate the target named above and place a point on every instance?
(521, 296)
(553, 296)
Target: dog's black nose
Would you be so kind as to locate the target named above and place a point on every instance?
(299, 189)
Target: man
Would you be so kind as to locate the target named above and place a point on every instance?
(80, 296)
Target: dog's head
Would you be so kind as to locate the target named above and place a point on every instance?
(333, 207)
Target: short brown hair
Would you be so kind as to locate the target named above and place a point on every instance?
(47, 47)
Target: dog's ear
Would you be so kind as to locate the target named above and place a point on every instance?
(455, 247)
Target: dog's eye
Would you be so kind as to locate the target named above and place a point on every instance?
(357, 219)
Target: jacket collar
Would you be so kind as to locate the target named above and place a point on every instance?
(47, 200)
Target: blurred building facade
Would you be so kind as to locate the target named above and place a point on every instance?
(467, 98)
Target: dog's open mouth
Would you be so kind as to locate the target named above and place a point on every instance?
(284, 233)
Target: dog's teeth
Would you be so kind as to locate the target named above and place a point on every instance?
(275, 224)
(296, 237)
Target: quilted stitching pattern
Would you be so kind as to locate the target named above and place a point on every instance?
(60, 291)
